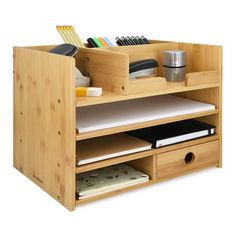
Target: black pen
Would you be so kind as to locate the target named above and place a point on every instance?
(124, 40)
(139, 40)
(130, 40)
(145, 39)
(134, 40)
(118, 41)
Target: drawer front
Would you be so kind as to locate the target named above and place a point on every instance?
(187, 159)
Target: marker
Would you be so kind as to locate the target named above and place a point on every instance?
(97, 42)
(91, 43)
(107, 40)
(103, 42)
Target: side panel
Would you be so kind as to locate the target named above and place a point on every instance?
(44, 121)
(205, 58)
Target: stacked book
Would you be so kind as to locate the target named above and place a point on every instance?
(110, 146)
(163, 135)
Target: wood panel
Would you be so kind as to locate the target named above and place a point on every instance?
(44, 121)
(171, 87)
(200, 57)
(106, 69)
(203, 77)
(206, 58)
(175, 162)
(44, 48)
(147, 84)
(146, 165)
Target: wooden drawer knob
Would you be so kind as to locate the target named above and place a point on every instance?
(189, 158)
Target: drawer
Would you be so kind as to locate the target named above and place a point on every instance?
(187, 159)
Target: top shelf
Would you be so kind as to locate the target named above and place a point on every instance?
(171, 87)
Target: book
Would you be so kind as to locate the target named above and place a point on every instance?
(107, 179)
(102, 116)
(110, 146)
(175, 132)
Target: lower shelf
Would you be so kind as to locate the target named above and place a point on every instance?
(118, 191)
(112, 193)
(170, 162)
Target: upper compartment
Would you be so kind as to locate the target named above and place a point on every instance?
(109, 67)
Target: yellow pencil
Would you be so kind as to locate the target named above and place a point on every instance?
(76, 35)
(71, 41)
(69, 35)
(73, 36)
(59, 29)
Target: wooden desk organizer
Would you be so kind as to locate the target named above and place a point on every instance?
(45, 112)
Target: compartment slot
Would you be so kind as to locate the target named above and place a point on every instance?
(116, 179)
(146, 165)
(186, 159)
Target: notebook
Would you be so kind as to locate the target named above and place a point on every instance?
(107, 179)
(175, 132)
(110, 146)
(97, 117)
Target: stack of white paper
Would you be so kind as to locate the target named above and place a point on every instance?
(115, 114)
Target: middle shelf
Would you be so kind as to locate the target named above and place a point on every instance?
(123, 128)
(137, 155)
(104, 119)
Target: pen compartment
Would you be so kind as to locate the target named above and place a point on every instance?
(109, 67)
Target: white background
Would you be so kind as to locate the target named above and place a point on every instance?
(198, 204)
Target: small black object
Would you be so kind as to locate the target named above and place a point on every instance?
(91, 43)
(118, 41)
(64, 49)
(145, 39)
(142, 64)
